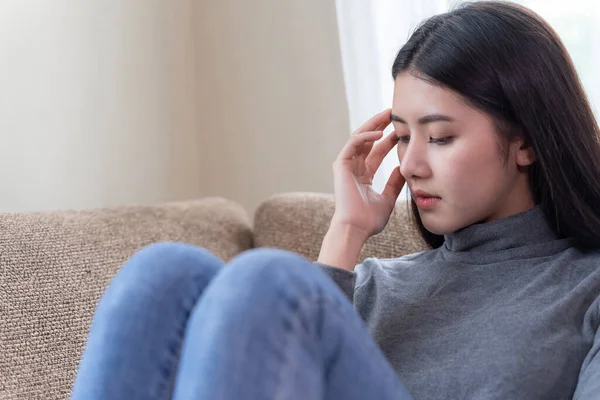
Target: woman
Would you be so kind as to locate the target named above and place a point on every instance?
(500, 149)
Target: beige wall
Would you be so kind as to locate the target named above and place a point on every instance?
(96, 103)
(110, 102)
(271, 96)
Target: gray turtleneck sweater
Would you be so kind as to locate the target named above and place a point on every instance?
(502, 310)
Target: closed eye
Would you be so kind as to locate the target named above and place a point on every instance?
(440, 141)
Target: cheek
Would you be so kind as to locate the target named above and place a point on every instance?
(453, 171)
(470, 173)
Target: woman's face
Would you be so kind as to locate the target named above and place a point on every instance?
(456, 156)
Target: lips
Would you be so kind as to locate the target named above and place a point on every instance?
(427, 203)
(422, 193)
(425, 200)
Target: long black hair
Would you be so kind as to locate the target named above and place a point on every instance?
(508, 62)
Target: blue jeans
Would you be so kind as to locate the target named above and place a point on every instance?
(176, 323)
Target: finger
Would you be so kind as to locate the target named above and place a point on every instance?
(376, 122)
(394, 186)
(376, 156)
(366, 149)
(380, 127)
(354, 146)
(369, 145)
(383, 125)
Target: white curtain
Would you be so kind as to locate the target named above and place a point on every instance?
(371, 33)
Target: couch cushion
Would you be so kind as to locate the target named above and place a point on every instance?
(54, 267)
(298, 222)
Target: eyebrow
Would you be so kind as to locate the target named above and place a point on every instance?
(426, 119)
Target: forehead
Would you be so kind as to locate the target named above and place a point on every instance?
(414, 97)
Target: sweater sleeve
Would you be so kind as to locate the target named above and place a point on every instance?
(588, 386)
(343, 278)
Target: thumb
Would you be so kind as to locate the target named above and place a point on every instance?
(394, 185)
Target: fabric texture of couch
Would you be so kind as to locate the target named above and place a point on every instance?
(54, 267)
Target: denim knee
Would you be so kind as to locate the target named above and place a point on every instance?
(282, 272)
(162, 270)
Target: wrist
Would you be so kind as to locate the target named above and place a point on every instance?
(342, 245)
(348, 233)
(340, 226)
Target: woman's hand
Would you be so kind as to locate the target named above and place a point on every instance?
(358, 208)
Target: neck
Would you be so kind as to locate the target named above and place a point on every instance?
(524, 234)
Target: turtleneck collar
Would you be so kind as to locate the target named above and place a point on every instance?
(526, 234)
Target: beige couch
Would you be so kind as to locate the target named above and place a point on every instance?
(54, 266)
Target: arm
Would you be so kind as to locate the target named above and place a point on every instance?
(588, 386)
(346, 280)
(360, 212)
(338, 257)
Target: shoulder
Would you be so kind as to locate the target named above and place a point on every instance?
(406, 260)
(372, 267)
(585, 260)
(584, 265)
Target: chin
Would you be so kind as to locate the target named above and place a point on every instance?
(437, 225)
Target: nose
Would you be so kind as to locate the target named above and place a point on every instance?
(414, 160)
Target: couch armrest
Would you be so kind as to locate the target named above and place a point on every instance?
(55, 265)
(298, 221)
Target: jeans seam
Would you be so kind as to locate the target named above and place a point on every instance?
(175, 359)
(302, 305)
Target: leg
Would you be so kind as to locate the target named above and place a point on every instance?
(272, 325)
(135, 339)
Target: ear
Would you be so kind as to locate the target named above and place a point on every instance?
(525, 155)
